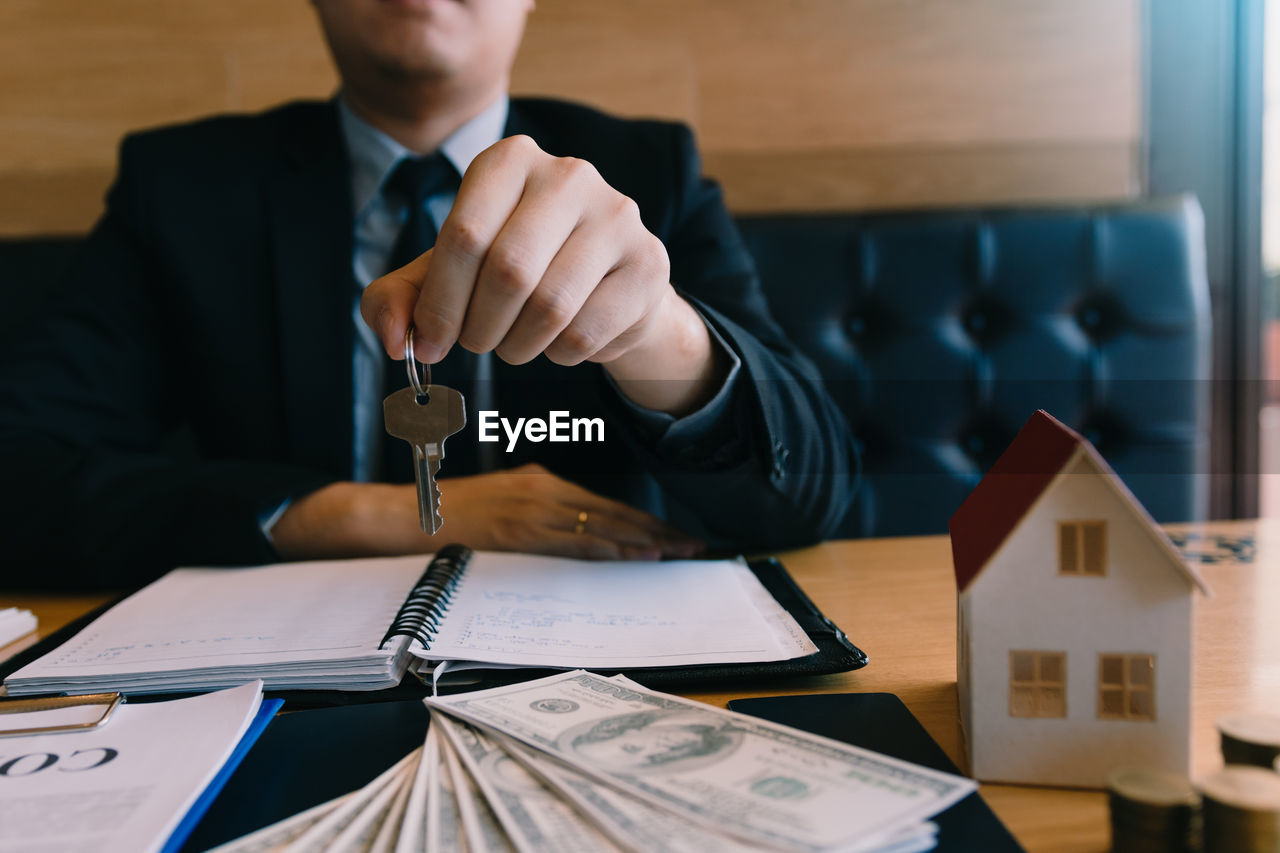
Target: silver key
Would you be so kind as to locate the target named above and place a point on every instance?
(426, 426)
(424, 416)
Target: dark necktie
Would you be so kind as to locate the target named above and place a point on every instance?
(414, 180)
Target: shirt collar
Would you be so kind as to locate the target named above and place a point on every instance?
(374, 154)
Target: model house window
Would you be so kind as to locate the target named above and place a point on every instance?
(1126, 687)
(1082, 547)
(1037, 684)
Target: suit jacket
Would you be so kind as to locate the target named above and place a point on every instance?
(215, 296)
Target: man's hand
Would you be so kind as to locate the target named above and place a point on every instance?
(540, 255)
(525, 509)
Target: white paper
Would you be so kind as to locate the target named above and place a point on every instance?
(123, 787)
(15, 623)
(548, 611)
(314, 624)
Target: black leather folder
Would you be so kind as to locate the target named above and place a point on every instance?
(308, 758)
(835, 654)
(879, 721)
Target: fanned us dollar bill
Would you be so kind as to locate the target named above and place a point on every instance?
(444, 817)
(354, 824)
(765, 784)
(277, 836)
(536, 820)
(632, 823)
(480, 827)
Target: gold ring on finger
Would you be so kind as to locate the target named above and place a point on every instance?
(581, 526)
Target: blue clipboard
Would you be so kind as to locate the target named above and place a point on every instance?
(266, 712)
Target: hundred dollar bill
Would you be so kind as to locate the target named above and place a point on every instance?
(412, 837)
(324, 832)
(536, 820)
(389, 832)
(444, 820)
(362, 833)
(767, 784)
(916, 838)
(480, 828)
(633, 823)
(277, 836)
(644, 828)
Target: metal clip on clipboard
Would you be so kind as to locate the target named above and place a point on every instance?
(108, 701)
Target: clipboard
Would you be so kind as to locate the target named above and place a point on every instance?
(107, 701)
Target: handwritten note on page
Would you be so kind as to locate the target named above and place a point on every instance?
(549, 611)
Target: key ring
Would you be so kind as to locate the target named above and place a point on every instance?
(410, 367)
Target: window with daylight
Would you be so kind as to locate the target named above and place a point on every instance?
(1082, 548)
(1126, 687)
(1037, 684)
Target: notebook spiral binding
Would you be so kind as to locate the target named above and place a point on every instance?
(419, 617)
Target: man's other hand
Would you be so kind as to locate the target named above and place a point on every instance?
(539, 255)
(526, 509)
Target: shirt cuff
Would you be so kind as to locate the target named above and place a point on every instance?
(695, 425)
(267, 520)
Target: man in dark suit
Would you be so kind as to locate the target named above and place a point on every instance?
(582, 265)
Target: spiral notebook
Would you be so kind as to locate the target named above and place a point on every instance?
(359, 625)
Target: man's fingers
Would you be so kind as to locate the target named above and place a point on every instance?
(581, 546)
(388, 302)
(555, 489)
(619, 301)
(578, 499)
(570, 278)
(517, 262)
(584, 546)
(614, 528)
(488, 194)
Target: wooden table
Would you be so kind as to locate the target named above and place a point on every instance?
(896, 600)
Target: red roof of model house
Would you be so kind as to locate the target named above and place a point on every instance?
(997, 505)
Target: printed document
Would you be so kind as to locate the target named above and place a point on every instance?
(122, 787)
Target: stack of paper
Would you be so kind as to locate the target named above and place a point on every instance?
(129, 785)
(580, 762)
(294, 625)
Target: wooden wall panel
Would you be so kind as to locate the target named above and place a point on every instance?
(858, 104)
(798, 104)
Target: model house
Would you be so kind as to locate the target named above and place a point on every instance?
(1073, 620)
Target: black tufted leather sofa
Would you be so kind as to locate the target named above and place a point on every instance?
(940, 333)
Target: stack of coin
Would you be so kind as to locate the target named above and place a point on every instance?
(1241, 810)
(1152, 810)
(1250, 739)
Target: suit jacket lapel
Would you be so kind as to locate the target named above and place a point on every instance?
(312, 222)
(520, 121)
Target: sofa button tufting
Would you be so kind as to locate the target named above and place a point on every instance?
(780, 456)
(986, 319)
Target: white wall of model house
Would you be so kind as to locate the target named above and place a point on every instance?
(1021, 602)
